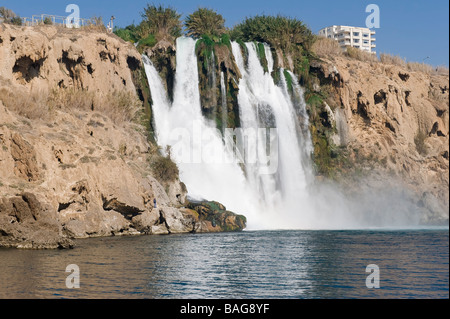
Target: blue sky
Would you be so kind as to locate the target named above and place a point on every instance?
(413, 29)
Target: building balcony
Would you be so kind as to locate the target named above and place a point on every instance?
(343, 36)
(343, 30)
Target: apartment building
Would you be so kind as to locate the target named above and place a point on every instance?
(360, 38)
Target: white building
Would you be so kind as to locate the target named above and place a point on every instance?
(361, 38)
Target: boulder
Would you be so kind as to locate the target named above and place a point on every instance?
(26, 223)
(213, 217)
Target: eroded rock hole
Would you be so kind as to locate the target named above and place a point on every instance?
(133, 63)
(403, 76)
(28, 68)
(407, 94)
(380, 97)
(90, 69)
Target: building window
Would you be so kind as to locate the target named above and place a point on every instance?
(366, 42)
(365, 35)
(356, 40)
(356, 34)
(357, 46)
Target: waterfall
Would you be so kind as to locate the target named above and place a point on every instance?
(269, 57)
(263, 103)
(212, 76)
(206, 166)
(224, 107)
(274, 197)
(273, 192)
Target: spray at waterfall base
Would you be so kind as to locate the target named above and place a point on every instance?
(263, 169)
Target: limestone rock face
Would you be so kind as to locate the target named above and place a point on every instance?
(163, 57)
(46, 57)
(24, 156)
(26, 223)
(76, 173)
(90, 186)
(399, 119)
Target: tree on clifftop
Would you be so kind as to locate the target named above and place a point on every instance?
(278, 31)
(163, 23)
(205, 22)
(9, 16)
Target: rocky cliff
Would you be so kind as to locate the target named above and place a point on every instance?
(388, 123)
(374, 126)
(75, 156)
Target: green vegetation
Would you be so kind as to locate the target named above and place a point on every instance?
(9, 16)
(419, 141)
(158, 23)
(163, 23)
(48, 21)
(164, 168)
(260, 50)
(289, 81)
(149, 41)
(205, 22)
(291, 42)
(129, 33)
(280, 32)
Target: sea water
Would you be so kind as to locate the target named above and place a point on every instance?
(249, 264)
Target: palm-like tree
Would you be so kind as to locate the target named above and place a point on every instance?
(163, 23)
(278, 31)
(205, 22)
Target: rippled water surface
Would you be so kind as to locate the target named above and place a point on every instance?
(251, 264)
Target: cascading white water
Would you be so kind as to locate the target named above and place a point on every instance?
(301, 120)
(269, 57)
(263, 103)
(208, 167)
(223, 93)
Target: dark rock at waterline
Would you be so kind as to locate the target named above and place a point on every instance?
(214, 217)
(26, 223)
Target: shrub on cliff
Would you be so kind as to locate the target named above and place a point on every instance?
(205, 22)
(95, 24)
(8, 16)
(128, 34)
(280, 32)
(324, 47)
(164, 169)
(360, 55)
(119, 106)
(48, 21)
(6, 13)
(163, 23)
(419, 141)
